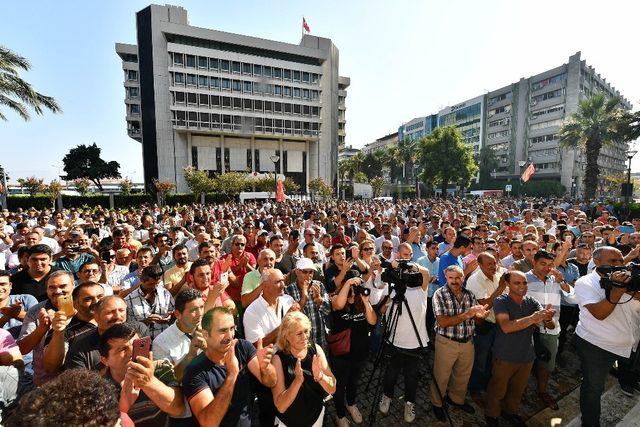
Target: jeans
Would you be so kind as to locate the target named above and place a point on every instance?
(568, 317)
(407, 360)
(595, 364)
(481, 373)
(627, 372)
(375, 340)
(347, 374)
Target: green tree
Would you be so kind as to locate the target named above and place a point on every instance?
(84, 161)
(407, 154)
(230, 183)
(598, 122)
(17, 94)
(32, 184)
(487, 162)
(198, 181)
(318, 186)
(391, 161)
(360, 177)
(53, 190)
(444, 158)
(372, 163)
(126, 186)
(82, 186)
(377, 184)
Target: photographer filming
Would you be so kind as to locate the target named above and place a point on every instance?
(409, 336)
(608, 326)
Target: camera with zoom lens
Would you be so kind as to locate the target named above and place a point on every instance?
(357, 289)
(402, 277)
(607, 283)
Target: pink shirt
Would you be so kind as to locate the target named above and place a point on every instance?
(7, 343)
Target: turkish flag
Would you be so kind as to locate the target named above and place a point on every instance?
(528, 172)
(280, 196)
(305, 25)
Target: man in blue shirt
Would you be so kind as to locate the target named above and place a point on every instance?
(461, 248)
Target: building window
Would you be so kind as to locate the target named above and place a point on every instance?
(235, 67)
(204, 100)
(499, 110)
(226, 102)
(178, 78)
(268, 106)
(287, 92)
(215, 101)
(246, 68)
(277, 73)
(296, 109)
(203, 82)
(134, 109)
(226, 84)
(132, 75)
(247, 87)
(203, 62)
(557, 122)
(539, 113)
(178, 59)
(191, 80)
(257, 105)
(296, 92)
(314, 78)
(305, 77)
(315, 95)
(500, 122)
(543, 138)
(248, 104)
(501, 134)
(499, 98)
(215, 83)
(224, 65)
(287, 108)
(547, 95)
(257, 70)
(268, 72)
(192, 99)
(236, 86)
(277, 107)
(551, 80)
(305, 93)
(133, 92)
(296, 76)
(191, 61)
(286, 75)
(278, 90)
(179, 97)
(213, 64)
(237, 103)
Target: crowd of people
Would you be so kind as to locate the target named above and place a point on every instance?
(264, 314)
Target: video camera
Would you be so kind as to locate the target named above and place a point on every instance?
(607, 283)
(402, 277)
(357, 289)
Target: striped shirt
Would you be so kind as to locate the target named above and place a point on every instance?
(446, 304)
(548, 292)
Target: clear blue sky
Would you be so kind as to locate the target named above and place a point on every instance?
(405, 59)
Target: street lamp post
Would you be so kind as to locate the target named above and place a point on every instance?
(628, 192)
(275, 158)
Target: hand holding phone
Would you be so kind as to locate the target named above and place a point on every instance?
(141, 347)
(65, 305)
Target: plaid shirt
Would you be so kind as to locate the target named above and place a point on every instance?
(317, 314)
(446, 304)
(138, 308)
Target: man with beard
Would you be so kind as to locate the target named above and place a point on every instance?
(174, 275)
(65, 330)
(218, 391)
(32, 280)
(181, 342)
(83, 353)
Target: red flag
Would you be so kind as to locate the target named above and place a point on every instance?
(305, 25)
(528, 172)
(280, 192)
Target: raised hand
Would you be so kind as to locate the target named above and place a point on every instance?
(197, 342)
(264, 354)
(230, 360)
(316, 369)
(60, 321)
(298, 371)
(141, 371)
(12, 311)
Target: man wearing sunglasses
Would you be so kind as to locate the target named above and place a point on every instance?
(241, 262)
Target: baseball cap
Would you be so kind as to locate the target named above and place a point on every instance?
(304, 264)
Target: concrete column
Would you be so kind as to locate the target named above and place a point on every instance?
(253, 154)
(112, 203)
(222, 154)
(189, 149)
(306, 166)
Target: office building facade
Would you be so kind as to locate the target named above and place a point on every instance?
(520, 124)
(418, 127)
(224, 102)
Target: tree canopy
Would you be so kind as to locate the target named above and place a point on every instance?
(444, 158)
(84, 161)
(17, 94)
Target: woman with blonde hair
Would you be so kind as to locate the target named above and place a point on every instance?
(304, 377)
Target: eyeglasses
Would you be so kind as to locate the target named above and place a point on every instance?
(367, 249)
(241, 245)
(387, 247)
(91, 271)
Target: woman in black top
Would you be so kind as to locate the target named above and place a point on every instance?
(356, 314)
(304, 377)
(340, 262)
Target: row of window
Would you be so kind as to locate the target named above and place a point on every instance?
(499, 110)
(556, 122)
(134, 109)
(247, 69)
(544, 153)
(500, 122)
(132, 92)
(228, 122)
(500, 134)
(544, 138)
(551, 80)
(550, 165)
(131, 75)
(500, 147)
(215, 101)
(545, 111)
(244, 86)
(499, 98)
(547, 95)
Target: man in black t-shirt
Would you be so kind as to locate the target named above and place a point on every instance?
(217, 382)
(32, 280)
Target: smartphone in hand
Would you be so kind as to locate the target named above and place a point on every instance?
(65, 305)
(141, 347)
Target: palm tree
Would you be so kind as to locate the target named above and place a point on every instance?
(407, 149)
(390, 160)
(17, 94)
(596, 123)
(487, 162)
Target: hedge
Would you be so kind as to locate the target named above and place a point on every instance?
(14, 202)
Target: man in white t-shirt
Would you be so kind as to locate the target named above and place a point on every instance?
(406, 345)
(608, 330)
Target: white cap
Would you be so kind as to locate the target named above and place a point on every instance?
(305, 264)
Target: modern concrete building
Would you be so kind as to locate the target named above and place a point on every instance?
(520, 123)
(347, 153)
(227, 102)
(381, 143)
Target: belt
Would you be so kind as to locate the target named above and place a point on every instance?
(460, 340)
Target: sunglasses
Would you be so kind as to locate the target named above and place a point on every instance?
(367, 249)
(239, 244)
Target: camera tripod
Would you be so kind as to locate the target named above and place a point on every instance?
(383, 358)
